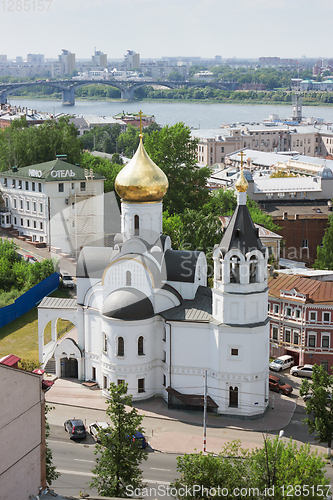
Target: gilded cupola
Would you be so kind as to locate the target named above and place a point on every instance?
(141, 180)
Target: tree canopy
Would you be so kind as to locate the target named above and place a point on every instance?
(324, 258)
(22, 145)
(175, 152)
(274, 471)
(319, 405)
(118, 457)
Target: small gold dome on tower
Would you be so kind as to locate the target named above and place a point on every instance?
(241, 184)
(141, 179)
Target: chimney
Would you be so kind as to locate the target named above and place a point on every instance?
(285, 216)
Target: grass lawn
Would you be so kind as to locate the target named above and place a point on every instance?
(20, 337)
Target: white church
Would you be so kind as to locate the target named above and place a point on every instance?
(145, 316)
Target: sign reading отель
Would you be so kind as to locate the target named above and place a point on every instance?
(54, 173)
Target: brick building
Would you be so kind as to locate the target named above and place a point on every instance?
(301, 319)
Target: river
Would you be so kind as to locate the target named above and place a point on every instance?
(195, 115)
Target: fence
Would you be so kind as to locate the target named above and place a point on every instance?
(28, 300)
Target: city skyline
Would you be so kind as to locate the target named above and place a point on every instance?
(247, 29)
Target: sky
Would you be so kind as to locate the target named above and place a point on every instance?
(160, 28)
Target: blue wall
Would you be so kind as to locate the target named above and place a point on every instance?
(29, 299)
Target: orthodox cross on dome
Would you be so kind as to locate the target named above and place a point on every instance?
(141, 115)
(242, 154)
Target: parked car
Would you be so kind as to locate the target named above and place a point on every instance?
(139, 440)
(76, 429)
(30, 258)
(96, 427)
(302, 371)
(281, 363)
(277, 385)
(67, 280)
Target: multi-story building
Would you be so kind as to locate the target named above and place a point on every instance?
(53, 204)
(100, 59)
(65, 65)
(301, 319)
(35, 59)
(131, 60)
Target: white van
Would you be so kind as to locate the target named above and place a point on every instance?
(281, 363)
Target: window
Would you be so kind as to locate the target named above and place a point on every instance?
(128, 278)
(325, 341)
(33, 186)
(35, 224)
(222, 149)
(28, 205)
(234, 352)
(288, 311)
(27, 185)
(15, 221)
(28, 223)
(72, 185)
(105, 342)
(297, 313)
(233, 397)
(287, 336)
(140, 346)
(41, 239)
(120, 347)
(20, 184)
(313, 316)
(21, 204)
(5, 182)
(82, 186)
(93, 374)
(61, 187)
(276, 309)
(14, 202)
(164, 357)
(120, 381)
(326, 317)
(34, 206)
(324, 363)
(269, 307)
(164, 380)
(41, 207)
(275, 333)
(305, 243)
(136, 225)
(296, 338)
(141, 385)
(40, 187)
(312, 340)
(13, 183)
(41, 225)
(21, 221)
(105, 382)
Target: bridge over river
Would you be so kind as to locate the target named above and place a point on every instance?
(127, 87)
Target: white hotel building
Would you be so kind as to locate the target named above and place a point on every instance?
(53, 204)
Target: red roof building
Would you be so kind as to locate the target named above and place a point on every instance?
(10, 360)
(301, 319)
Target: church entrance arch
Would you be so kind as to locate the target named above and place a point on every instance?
(69, 368)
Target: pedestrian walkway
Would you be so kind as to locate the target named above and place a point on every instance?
(74, 393)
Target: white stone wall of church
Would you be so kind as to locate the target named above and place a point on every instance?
(131, 366)
(115, 276)
(237, 308)
(150, 219)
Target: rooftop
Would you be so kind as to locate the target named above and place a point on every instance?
(316, 291)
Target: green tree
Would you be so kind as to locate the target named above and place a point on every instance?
(281, 173)
(128, 141)
(324, 258)
(51, 473)
(271, 472)
(175, 152)
(117, 457)
(319, 405)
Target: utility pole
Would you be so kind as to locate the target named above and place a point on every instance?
(49, 215)
(205, 411)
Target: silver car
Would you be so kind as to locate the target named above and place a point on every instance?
(302, 371)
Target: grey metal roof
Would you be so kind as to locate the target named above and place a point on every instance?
(128, 304)
(57, 303)
(197, 310)
(241, 233)
(93, 261)
(181, 264)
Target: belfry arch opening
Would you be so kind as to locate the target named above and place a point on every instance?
(234, 269)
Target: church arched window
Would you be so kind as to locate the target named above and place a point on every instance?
(136, 225)
(120, 347)
(234, 269)
(253, 271)
(140, 346)
(128, 278)
(233, 397)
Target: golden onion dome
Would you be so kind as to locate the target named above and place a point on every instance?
(241, 184)
(141, 179)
